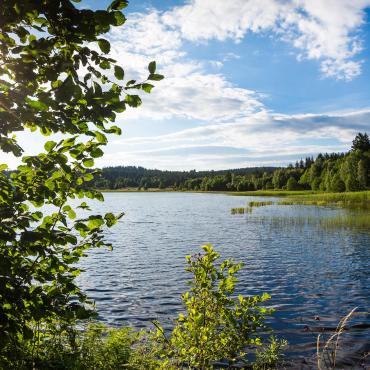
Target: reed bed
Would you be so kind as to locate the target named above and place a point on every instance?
(308, 197)
(351, 221)
(360, 198)
(240, 210)
(359, 221)
(260, 204)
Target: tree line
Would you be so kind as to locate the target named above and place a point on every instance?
(335, 172)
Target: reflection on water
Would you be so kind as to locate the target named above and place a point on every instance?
(315, 275)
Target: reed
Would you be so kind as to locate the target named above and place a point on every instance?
(327, 354)
(308, 197)
(241, 210)
(260, 204)
(358, 221)
(342, 199)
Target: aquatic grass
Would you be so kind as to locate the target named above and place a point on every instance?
(260, 204)
(359, 221)
(360, 198)
(308, 197)
(271, 193)
(241, 210)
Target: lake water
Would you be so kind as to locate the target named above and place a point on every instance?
(314, 275)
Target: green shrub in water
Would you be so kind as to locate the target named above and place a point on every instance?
(216, 326)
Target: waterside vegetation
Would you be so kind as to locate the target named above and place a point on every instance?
(216, 326)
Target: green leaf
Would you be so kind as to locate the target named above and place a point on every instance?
(155, 77)
(100, 137)
(49, 146)
(114, 130)
(56, 84)
(119, 18)
(96, 153)
(152, 67)
(104, 64)
(88, 177)
(104, 46)
(88, 162)
(119, 73)
(147, 87)
(118, 5)
(71, 214)
(133, 100)
(95, 222)
(110, 219)
(37, 104)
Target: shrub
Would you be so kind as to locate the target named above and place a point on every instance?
(216, 325)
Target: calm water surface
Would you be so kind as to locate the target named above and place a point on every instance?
(311, 273)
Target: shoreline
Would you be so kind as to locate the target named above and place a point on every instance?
(358, 198)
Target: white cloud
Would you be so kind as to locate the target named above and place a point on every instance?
(259, 139)
(189, 90)
(323, 30)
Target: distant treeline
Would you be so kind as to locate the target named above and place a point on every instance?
(335, 172)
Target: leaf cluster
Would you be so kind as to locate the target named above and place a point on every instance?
(56, 76)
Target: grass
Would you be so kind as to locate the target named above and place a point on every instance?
(271, 193)
(358, 198)
(360, 221)
(327, 355)
(240, 210)
(354, 221)
(260, 204)
(348, 198)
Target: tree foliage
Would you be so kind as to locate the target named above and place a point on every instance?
(361, 142)
(56, 76)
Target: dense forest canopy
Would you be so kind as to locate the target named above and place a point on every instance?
(327, 172)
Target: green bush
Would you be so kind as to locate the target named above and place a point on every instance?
(216, 326)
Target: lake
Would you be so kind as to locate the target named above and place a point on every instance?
(315, 275)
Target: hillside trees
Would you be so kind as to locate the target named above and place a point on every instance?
(361, 142)
(328, 172)
(56, 76)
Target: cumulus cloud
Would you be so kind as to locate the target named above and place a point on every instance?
(189, 90)
(324, 30)
(320, 30)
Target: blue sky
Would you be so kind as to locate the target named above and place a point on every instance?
(257, 82)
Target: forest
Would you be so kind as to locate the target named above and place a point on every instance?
(334, 172)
